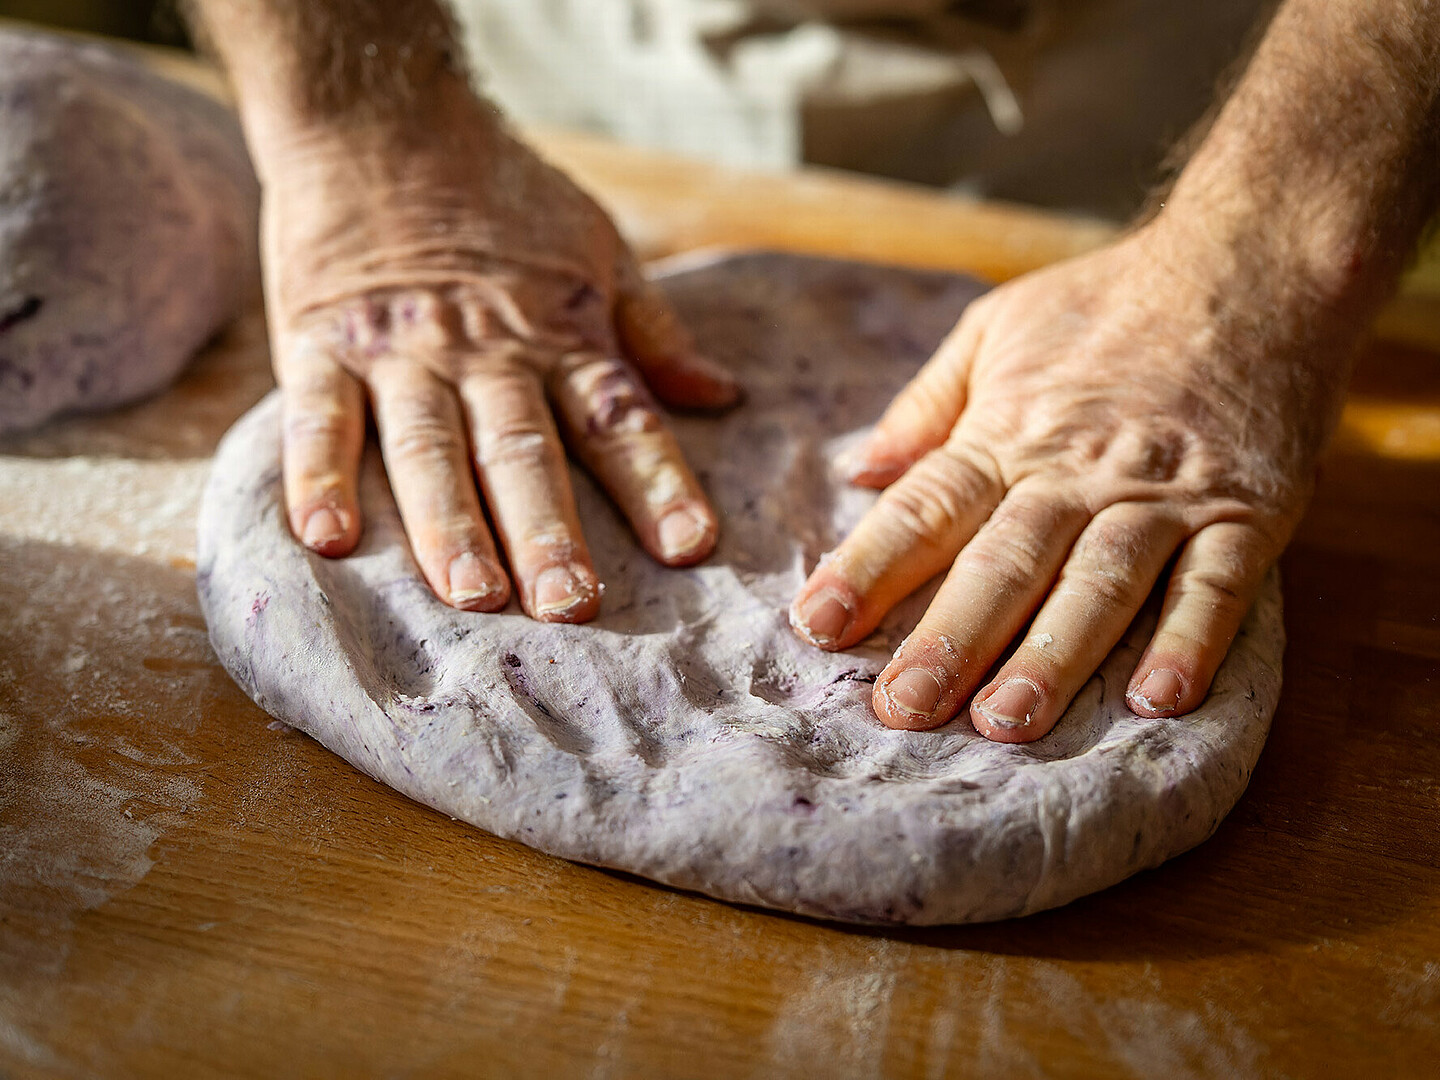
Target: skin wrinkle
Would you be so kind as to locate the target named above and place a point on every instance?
(1006, 561)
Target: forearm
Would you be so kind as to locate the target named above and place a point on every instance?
(1323, 166)
(329, 63)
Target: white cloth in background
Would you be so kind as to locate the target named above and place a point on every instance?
(1063, 102)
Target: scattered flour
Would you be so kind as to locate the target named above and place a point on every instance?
(114, 505)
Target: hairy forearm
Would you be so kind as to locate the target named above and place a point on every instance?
(329, 62)
(1324, 164)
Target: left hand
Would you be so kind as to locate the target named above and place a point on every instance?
(1082, 427)
(432, 266)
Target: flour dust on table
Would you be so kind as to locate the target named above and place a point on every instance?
(687, 735)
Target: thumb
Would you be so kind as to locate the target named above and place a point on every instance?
(663, 351)
(922, 415)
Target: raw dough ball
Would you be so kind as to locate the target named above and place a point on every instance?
(687, 734)
(128, 221)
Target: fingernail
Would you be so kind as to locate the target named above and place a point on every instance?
(557, 590)
(1160, 692)
(915, 691)
(472, 580)
(324, 526)
(681, 533)
(822, 618)
(1012, 704)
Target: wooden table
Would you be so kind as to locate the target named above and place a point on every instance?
(189, 890)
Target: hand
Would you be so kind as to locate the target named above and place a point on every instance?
(435, 265)
(1080, 429)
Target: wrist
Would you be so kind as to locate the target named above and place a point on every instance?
(282, 133)
(1284, 234)
(302, 70)
(1244, 293)
(1317, 176)
(1271, 269)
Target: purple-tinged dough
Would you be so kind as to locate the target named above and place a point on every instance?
(128, 213)
(687, 735)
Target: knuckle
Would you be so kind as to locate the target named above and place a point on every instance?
(411, 308)
(934, 499)
(1215, 589)
(1009, 559)
(1102, 585)
(317, 425)
(1028, 520)
(922, 510)
(611, 400)
(1108, 548)
(1195, 637)
(1153, 455)
(618, 418)
(977, 312)
(515, 443)
(425, 439)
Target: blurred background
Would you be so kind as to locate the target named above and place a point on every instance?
(1065, 104)
(1068, 104)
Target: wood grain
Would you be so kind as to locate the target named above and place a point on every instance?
(185, 891)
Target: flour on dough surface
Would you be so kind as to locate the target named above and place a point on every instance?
(687, 735)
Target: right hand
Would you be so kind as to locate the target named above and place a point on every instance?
(441, 269)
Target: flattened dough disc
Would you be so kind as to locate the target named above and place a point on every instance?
(687, 735)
